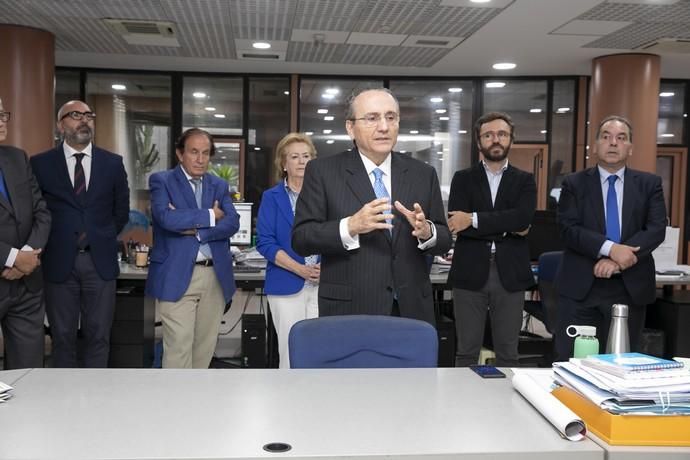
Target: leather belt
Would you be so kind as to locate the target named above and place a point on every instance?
(205, 263)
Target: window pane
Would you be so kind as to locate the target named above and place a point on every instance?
(269, 121)
(436, 124)
(671, 113)
(524, 101)
(323, 104)
(213, 104)
(562, 137)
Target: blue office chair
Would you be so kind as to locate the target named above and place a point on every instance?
(362, 341)
(548, 268)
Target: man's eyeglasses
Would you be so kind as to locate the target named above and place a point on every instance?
(5, 116)
(373, 119)
(490, 135)
(78, 116)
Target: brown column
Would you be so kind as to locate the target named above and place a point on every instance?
(627, 85)
(27, 87)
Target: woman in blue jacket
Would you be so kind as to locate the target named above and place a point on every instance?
(291, 280)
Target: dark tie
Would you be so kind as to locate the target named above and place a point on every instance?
(613, 228)
(3, 187)
(79, 178)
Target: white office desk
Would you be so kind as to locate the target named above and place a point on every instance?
(210, 414)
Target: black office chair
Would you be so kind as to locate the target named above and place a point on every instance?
(362, 341)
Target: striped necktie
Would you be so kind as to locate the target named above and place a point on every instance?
(79, 178)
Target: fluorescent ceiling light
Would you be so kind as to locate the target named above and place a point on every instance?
(329, 118)
(495, 84)
(322, 111)
(332, 91)
(261, 45)
(210, 109)
(199, 95)
(414, 131)
(287, 93)
(668, 135)
(327, 131)
(535, 110)
(462, 131)
(480, 1)
(219, 115)
(667, 94)
(563, 109)
(330, 141)
(309, 133)
(328, 96)
(436, 99)
(444, 118)
(543, 131)
(440, 110)
(454, 90)
(118, 87)
(504, 65)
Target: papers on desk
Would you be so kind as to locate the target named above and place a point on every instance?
(5, 392)
(536, 386)
(666, 256)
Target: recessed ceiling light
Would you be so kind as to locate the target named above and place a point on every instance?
(436, 99)
(454, 90)
(199, 95)
(563, 109)
(504, 66)
(667, 94)
(535, 110)
(257, 148)
(462, 131)
(322, 111)
(440, 110)
(309, 133)
(414, 131)
(543, 131)
(495, 84)
(210, 109)
(327, 131)
(261, 45)
(118, 87)
(329, 118)
(480, 1)
(328, 96)
(444, 118)
(287, 93)
(668, 135)
(330, 141)
(402, 151)
(219, 115)
(685, 115)
(332, 91)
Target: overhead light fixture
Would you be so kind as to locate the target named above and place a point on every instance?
(199, 95)
(495, 84)
(444, 118)
(329, 118)
(668, 135)
(261, 45)
(667, 94)
(543, 131)
(534, 110)
(309, 133)
(328, 96)
(257, 148)
(327, 131)
(330, 141)
(332, 91)
(118, 87)
(402, 151)
(322, 111)
(462, 131)
(563, 109)
(480, 1)
(219, 115)
(287, 93)
(210, 109)
(440, 110)
(685, 115)
(436, 100)
(454, 90)
(414, 131)
(504, 65)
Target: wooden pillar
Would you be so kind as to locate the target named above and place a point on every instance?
(627, 85)
(27, 86)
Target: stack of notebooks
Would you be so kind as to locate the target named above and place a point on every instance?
(5, 392)
(628, 398)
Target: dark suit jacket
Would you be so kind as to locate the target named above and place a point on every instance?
(173, 253)
(105, 213)
(512, 212)
(362, 281)
(24, 221)
(583, 231)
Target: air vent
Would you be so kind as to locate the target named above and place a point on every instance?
(667, 45)
(149, 33)
(260, 56)
(432, 42)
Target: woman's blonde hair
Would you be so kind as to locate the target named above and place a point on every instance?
(281, 152)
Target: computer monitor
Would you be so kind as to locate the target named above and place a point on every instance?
(544, 234)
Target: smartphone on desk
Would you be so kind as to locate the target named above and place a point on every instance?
(487, 372)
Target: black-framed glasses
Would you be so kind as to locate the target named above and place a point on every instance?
(78, 116)
(5, 116)
(373, 119)
(490, 135)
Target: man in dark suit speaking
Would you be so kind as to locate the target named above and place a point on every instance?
(24, 227)
(87, 194)
(373, 256)
(491, 206)
(612, 218)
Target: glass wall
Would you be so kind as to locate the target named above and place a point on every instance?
(436, 124)
(524, 101)
(67, 88)
(672, 113)
(213, 104)
(562, 138)
(323, 104)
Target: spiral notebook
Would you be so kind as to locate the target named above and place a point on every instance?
(622, 364)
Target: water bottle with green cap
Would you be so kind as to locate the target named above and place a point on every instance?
(586, 342)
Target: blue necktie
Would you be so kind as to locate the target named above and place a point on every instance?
(613, 228)
(379, 187)
(3, 188)
(204, 248)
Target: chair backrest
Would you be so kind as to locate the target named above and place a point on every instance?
(362, 341)
(548, 268)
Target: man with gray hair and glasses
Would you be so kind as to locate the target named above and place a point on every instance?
(374, 215)
(88, 196)
(24, 227)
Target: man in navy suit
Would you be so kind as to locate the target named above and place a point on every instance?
(372, 261)
(24, 227)
(190, 274)
(88, 197)
(491, 206)
(612, 218)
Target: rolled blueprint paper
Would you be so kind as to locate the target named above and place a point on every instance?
(565, 420)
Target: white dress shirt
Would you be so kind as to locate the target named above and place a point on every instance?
(494, 179)
(72, 161)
